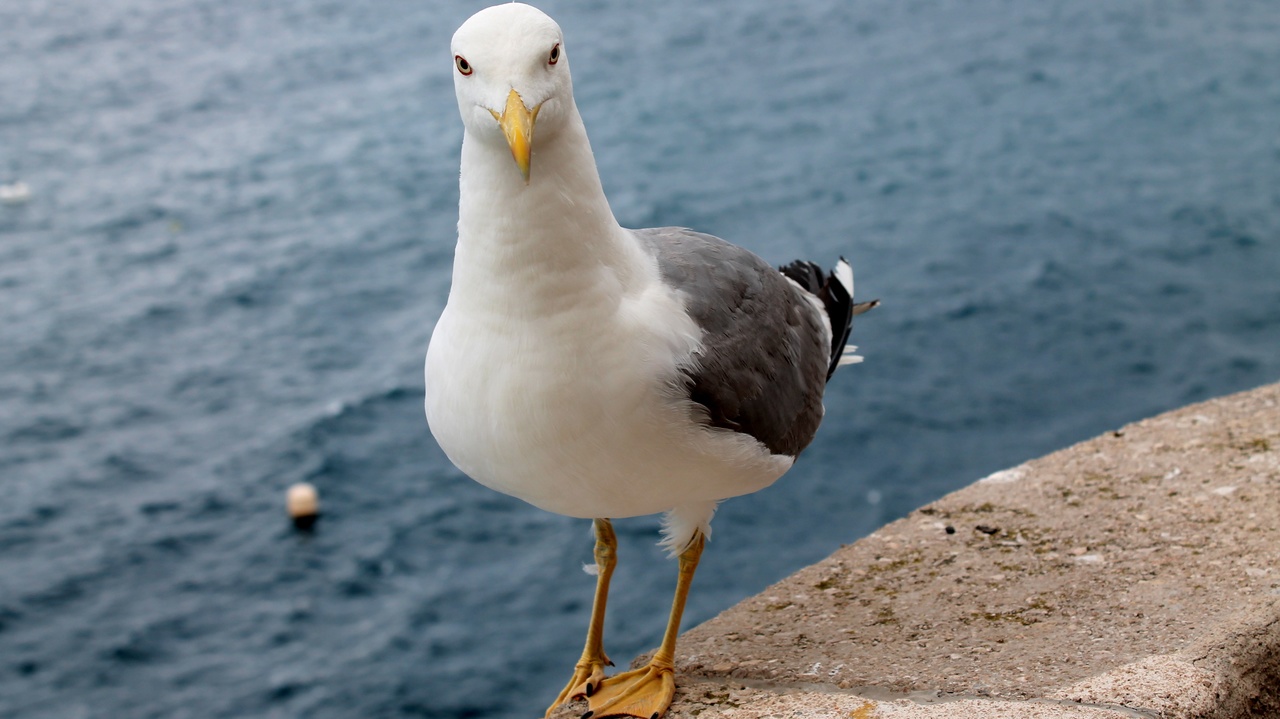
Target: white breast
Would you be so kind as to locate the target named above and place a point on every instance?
(577, 411)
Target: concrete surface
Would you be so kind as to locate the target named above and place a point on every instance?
(1132, 575)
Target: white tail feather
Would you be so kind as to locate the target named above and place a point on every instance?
(848, 356)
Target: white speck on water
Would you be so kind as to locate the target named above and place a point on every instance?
(15, 193)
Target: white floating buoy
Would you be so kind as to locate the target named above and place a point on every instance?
(14, 193)
(303, 503)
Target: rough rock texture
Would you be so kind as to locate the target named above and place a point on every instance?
(1135, 574)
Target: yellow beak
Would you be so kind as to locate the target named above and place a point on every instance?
(516, 122)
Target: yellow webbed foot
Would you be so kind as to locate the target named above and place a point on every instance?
(645, 693)
(587, 675)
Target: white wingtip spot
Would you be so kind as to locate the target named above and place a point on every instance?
(844, 273)
(592, 569)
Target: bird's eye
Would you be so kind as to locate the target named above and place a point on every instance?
(464, 67)
(555, 55)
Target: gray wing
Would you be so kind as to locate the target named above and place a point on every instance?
(763, 363)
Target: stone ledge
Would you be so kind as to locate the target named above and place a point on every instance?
(1133, 575)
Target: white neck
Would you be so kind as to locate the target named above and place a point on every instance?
(528, 238)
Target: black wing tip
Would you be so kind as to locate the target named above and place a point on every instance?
(804, 273)
(839, 303)
(836, 299)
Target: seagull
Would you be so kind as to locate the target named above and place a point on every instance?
(602, 372)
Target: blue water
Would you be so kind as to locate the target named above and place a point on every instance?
(240, 231)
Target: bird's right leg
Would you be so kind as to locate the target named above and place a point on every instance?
(589, 671)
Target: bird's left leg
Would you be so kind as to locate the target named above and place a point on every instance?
(647, 692)
(589, 671)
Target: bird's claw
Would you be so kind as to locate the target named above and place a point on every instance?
(588, 674)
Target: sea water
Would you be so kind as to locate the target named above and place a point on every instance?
(239, 231)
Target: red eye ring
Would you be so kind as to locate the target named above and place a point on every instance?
(555, 55)
(464, 67)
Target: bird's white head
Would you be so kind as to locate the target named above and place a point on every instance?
(511, 72)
